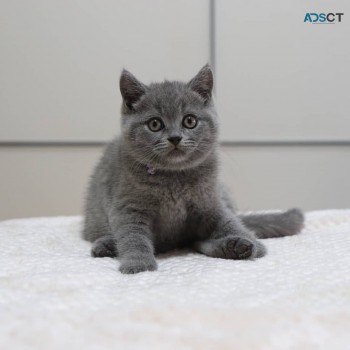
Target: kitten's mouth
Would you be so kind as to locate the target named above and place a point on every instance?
(176, 152)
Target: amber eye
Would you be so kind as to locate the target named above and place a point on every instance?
(155, 124)
(189, 121)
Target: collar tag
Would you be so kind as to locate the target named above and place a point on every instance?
(151, 170)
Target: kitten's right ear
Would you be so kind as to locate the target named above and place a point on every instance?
(202, 83)
(131, 89)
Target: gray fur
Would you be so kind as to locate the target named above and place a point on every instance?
(148, 195)
(271, 225)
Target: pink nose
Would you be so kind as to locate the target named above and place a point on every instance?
(175, 140)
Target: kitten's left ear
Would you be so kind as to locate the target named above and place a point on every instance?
(131, 89)
(203, 82)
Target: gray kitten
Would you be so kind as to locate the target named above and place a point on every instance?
(156, 187)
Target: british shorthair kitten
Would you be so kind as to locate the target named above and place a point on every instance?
(156, 186)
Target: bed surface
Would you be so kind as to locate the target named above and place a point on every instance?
(53, 295)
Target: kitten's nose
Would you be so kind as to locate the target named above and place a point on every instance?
(175, 140)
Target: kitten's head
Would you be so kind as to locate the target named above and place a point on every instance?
(169, 125)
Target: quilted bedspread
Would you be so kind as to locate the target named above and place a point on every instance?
(53, 295)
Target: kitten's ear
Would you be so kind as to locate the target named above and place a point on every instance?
(130, 88)
(203, 82)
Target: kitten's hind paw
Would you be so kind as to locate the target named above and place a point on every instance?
(261, 250)
(131, 266)
(104, 247)
(231, 247)
(238, 248)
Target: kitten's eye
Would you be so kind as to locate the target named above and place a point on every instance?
(189, 121)
(155, 124)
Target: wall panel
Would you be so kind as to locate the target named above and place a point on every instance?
(60, 61)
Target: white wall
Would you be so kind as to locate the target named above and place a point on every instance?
(60, 61)
(278, 80)
(39, 181)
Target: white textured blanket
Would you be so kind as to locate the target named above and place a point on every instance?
(53, 295)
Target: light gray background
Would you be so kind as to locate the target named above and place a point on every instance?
(282, 90)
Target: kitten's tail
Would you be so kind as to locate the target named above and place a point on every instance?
(272, 225)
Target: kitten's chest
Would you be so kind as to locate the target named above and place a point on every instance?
(172, 213)
(171, 226)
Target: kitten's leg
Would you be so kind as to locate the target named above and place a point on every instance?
(136, 253)
(230, 240)
(231, 247)
(134, 244)
(104, 247)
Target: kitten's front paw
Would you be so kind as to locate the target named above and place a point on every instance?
(136, 265)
